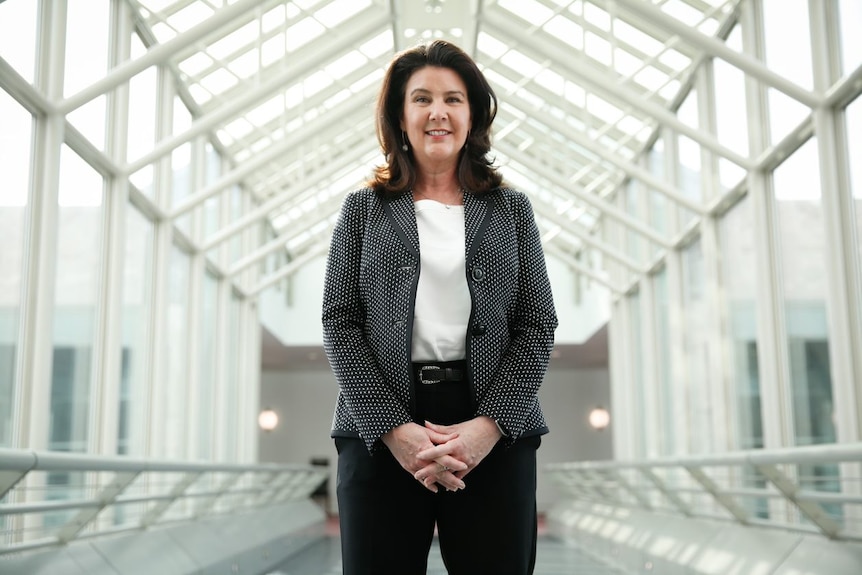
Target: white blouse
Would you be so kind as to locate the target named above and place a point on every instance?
(442, 298)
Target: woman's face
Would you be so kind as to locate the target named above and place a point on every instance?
(436, 116)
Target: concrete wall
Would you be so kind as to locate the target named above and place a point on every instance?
(304, 400)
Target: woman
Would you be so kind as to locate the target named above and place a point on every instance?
(438, 324)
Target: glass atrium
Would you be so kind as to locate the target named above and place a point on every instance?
(172, 171)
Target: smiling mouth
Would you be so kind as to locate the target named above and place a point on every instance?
(437, 133)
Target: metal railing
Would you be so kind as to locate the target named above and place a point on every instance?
(50, 498)
(813, 489)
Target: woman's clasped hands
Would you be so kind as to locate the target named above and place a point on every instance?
(442, 454)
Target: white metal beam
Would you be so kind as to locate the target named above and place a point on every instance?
(234, 14)
(540, 49)
(719, 49)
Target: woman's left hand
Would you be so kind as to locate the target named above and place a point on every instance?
(474, 441)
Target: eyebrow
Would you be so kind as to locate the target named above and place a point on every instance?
(426, 91)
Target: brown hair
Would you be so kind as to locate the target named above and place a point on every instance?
(476, 171)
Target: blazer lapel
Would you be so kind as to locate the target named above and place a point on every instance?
(402, 215)
(477, 216)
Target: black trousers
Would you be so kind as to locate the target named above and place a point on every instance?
(388, 518)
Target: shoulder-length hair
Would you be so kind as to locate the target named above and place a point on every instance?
(476, 171)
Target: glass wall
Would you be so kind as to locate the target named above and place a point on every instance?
(137, 325)
(803, 255)
(699, 374)
(76, 293)
(853, 126)
(15, 139)
(736, 233)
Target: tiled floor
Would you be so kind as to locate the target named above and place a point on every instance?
(553, 558)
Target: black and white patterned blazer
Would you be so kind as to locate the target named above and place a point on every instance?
(368, 299)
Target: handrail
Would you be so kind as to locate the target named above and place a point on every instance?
(53, 498)
(816, 487)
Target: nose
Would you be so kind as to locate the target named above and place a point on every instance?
(438, 112)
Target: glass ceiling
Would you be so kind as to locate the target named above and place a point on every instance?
(583, 87)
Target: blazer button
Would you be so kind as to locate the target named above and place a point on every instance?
(478, 274)
(398, 323)
(479, 329)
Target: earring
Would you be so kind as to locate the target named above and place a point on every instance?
(404, 145)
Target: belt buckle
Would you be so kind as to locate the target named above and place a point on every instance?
(425, 368)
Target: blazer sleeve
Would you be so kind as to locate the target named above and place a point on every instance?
(514, 392)
(372, 403)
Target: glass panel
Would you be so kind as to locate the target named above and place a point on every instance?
(787, 43)
(137, 289)
(730, 112)
(87, 28)
(15, 162)
(689, 167)
(658, 201)
(142, 118)
(207, 368)
(76, 293)
(853, 123)
(639, 449)
(235, 338)
(850, 17)
(697, 381)
(181, 165)
(798, 201)
(736, 232)
(176, 396)
(18, 29)
(236, 209)
(667, 443)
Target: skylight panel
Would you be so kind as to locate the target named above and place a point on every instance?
(367, 80)
(597, 16)
(238, 128)
(351, 61)
(303, 32)
(490, 45)
(533, 12)
(625, 63)
(630, 125)
(306, 4)
(651, 78)
(674, 59)
(564, 29)
(550, 80)
(293, 96)
(499, 80)
(247, 64)
(604, 110)
(231, 43)
(683, 12)
(575, 94)
(338, 98)
(267, 111)
(315, 83)
(272, 19)
(272, 50)
(200, 95)
(338, 11)
(637, 38)
(189, 16)
(378, 45)
(163, 32)
(598, 48)
(195, 64)
(155, 5)
(520, 63)
(219, 81)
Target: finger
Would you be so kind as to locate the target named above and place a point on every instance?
(435, 452)
(441, 428)
(451, 464)
(430, 484)
(437, 438)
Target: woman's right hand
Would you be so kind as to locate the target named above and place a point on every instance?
(408, 439)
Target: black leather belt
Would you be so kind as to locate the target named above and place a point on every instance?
(430, 373)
